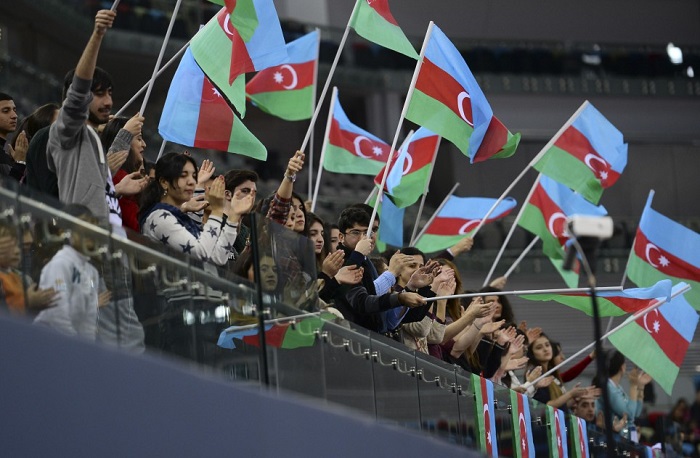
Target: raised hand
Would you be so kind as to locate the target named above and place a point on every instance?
(104, 298)
(19, 152)
(135, 124)
(365, 246)
(463, 245)
(215, 194)
(40, 299)
(333, 262)
(131, 184)
(195, 204)
(296, 163)
(206, 170)
(411, 299)
(349, 275)
(239, 205)
(503, 336)
(490, 327)
(103, 21)
(423, 276)
(515, 364)
(446, 288)
(499, 283)
(398, 262)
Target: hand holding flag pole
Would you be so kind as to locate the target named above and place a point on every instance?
(404, 110)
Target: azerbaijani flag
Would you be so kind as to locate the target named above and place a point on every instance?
(546, 212)
(195, 114)
(523, 443)
(611, 303)
(350, 149)
(458, 218)
(486, 434)
(301, 333)
(588, 156)
(664, 248)
(498, 142)
(556, 432)
(579, 437)
(411, 169)
(288, 91)
(391, 229)
(448, 100)
(658, 341)
(373, 20)
(246, 39)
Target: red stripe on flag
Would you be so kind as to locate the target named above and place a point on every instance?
(240, 58)
(421, 153)
(577, 144)
(554, 216)
(627, 304)
(524, 443)
(452, 226)
(495, 137)
(285, 77)
(436, 83)
(662, 260)
(357, 144)
(558, 429)
(215, 120)
(382, 8)
(667, 338)
(273, 336)
(486, 410)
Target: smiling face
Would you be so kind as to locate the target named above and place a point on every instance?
(182, 189)
(316, 234)
(542, 350)
(100, 107)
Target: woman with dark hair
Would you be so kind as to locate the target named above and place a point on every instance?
(162, 218)
(42, 117)
(296, 220)
(504, 311)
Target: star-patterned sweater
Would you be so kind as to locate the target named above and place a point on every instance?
(168, 225)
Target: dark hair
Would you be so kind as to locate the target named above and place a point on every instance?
(351, 216)
(367, 208)
(77, 211)
(101, 80)
(533, 362)
(4, 97)
(148, 166)
(168, 168)
(453, 305)
(312, 218)
(413, 251)
(304, 232)
(112, 128)
(40, 118)
(506, 309)
(615, 362)
(236, 177)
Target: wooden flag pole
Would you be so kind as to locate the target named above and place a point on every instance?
(442, 204)
(329, 122)
(406, 103)
(425, 193)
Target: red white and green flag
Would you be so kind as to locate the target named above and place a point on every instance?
(458, 218)
(588, 156)
(278, 335)
(579, 437)
(373, 20)
(288, 91)
(195, 114)
(351, 149)
(245, 36)
(486, 416)
(448, 100)
(662, 249)
(556, 433)
(523, 443)
(611, 303)
(658, 341)
(411, 168)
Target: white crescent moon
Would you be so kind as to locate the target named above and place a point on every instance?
(408, 163)
(357, 142)
(645, 320)
(460, 99)
(647, 251)
(468, 225)
(552, 219)
(592, 157)
(486, 409)
(227, 22)
(295, 79)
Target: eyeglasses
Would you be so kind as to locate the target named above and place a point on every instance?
(361, 232)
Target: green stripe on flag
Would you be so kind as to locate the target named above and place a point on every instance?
(340, 160)
(372, 26)
(429, 243)
(243, 142)
(436, 116)
(561, 166)
(644, 274)
(532, 219)
(292, 105)
(411, 187)
(570, 277)
(582, 303)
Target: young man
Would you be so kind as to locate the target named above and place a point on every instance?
(11, 162)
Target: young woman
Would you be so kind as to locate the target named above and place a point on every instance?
(163, 220)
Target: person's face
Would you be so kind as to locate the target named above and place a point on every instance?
(243, 190)
(183, 190)
(559, 358)
(542, 350)
(299, 219)
(316, 234)
(499, 306)
(268, 274)
(8, 117)
(100, 107)
(586, 409)
(415, 264)
(335, 232)
(138, 145)
(356, 233)
(15, 256)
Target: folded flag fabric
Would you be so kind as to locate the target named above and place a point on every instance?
(373, 20)
(556, 432)
(588, 156)
(658, 341)
(579, 437)
(523, 443)
(301, 333)
(351, 149)
(662, 249)
(288, 91)
(498, 142)
(458, 218)
(611, 303)
(195, 114)
(411, 169)
(246, 36)
(486, 433)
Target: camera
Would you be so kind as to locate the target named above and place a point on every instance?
(600, 227)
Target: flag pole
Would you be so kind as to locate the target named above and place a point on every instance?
(681, 288)
(329, 122)
(404, 110)
(526, 292)
(442, 204)
(371, 194)
(160, 58)
(648, 204)
(405, 143)
(512, 229)
(145, 86)
(522, 255)
(532, 163)
(114, 5)
(425, 192)
(336, 59)
(313, 108)
(162, 148)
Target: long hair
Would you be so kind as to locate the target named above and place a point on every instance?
(555, 389)
(40, 118)
(169, 168)
(133, 161)
(506, 308)
(312, 218)
(454, 305)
